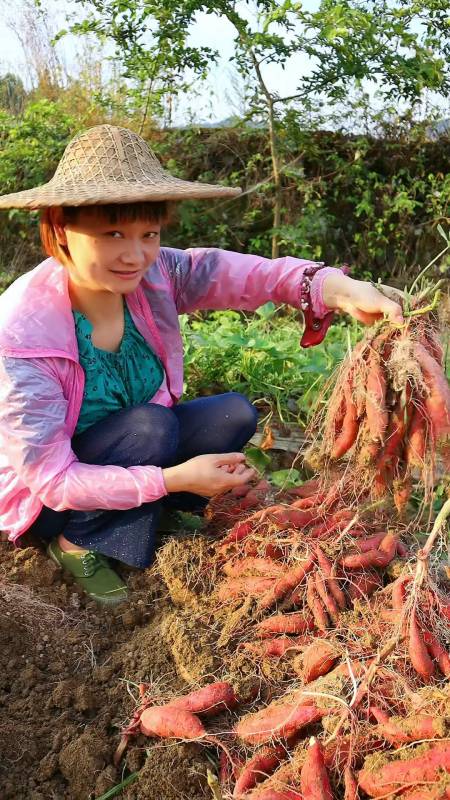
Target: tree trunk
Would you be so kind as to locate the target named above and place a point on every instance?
(276, 178)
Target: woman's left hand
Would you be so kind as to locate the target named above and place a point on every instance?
(361, 299)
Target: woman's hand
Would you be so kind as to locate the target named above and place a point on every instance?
(361, 299)
(208, 475)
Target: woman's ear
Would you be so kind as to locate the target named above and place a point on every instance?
(58, 226)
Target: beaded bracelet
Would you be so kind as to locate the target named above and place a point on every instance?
(315, 328)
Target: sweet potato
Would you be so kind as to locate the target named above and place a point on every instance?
(307, 489)
(417, 439)
(293, 517)
(376, 413)
(227, 769)
(240, 491)
(402, 488)
(397, 730)
(347, 437)
(437, 652)
(318, 659)
(336, 521)
(437, 403)
(306, 503)
(238, 532)
(436, 792)
(314, 780)
(276, 722)
(327, 598)
(276, 794)
(433, 344)
(231, 588)
(394, 444)
(364, 545)
(399, 592)
(373, 558)
(255, 547)
(331, 581)
(424, 765)
(402, 550)
(276, 647)
(363, 584)
(286, 584)
(171, 723)
(211, 699)
(380, 714)
(258, 768)
(253, 566)
(296, 623)
(315, 605)
(368, 452)
(417, 649)
(350, 785)
(335, 415)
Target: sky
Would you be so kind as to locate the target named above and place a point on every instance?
(219, 98)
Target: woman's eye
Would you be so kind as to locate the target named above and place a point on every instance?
(114, 234)
(151, 235)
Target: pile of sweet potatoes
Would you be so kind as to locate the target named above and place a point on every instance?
(330, 592)
(389, 411)
(335, 593)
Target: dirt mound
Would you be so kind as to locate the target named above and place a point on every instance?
(65, 667)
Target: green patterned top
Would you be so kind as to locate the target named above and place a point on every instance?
(115, 380)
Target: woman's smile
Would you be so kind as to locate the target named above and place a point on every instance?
(126, 274)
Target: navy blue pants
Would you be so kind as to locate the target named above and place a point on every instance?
(148, 434)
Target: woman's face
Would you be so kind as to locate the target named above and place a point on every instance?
(109, 257)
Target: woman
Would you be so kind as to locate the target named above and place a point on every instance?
(92, 436)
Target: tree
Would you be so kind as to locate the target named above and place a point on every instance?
(12, 94)
(403, 48)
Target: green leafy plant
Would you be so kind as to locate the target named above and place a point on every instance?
(260, 355)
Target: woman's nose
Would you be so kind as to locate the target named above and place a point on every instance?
(133, 253)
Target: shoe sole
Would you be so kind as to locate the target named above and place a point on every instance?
(113, 601)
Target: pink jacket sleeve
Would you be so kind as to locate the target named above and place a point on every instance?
(34, 438)
(209, 278)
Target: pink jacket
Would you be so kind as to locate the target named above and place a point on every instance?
(41, 380)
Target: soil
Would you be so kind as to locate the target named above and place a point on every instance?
(69, 671)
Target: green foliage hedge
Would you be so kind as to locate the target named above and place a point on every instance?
(373, 202)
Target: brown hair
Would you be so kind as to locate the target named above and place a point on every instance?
(114, 213)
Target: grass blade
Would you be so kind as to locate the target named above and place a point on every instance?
(115, 790)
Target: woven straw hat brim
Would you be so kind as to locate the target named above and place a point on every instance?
(169, 188)
(106, 164)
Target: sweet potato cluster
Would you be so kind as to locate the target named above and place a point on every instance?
(389, 411)
(326, 585)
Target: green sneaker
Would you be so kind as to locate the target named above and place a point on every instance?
(92, 572)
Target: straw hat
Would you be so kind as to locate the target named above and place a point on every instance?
(106, 165)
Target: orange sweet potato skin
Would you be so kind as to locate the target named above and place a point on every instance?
(257, 768)
(412, 729)
(211, 699)
(378, 781)
(284, 624)
(171, 723)
(318, 659)
(377, 416)
(418, 653)
(347, 437)
(275, 721)
(314, 780)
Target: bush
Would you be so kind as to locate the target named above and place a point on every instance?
(30, 148)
